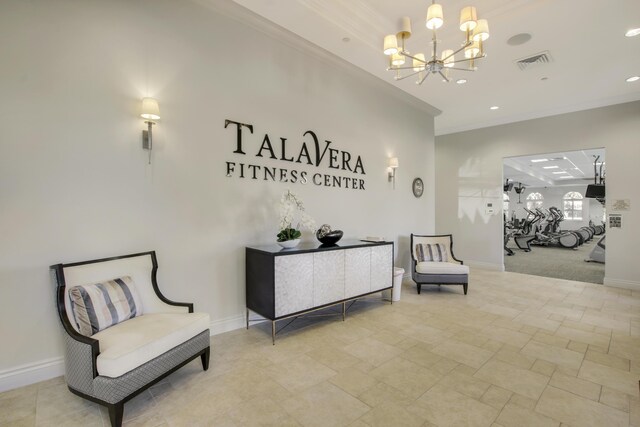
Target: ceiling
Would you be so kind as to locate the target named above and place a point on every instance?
(591, 57)
(555, 169)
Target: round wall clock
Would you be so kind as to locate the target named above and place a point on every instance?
(418, 187)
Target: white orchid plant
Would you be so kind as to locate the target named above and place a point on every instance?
(292, 209)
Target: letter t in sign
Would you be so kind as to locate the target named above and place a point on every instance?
(239, 129)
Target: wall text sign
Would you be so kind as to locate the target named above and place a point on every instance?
(295, 155)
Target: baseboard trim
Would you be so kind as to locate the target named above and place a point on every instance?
(31, 373)
(485, 265)
(621, 283)
(231, 323)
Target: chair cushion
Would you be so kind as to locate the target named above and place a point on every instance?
(431, 252)
(129, 344)
(432, 267)
(100, 305)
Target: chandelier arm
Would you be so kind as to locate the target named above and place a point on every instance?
(435, 45)
(408, 55)
(423, 78)
(470, 59)
(466, 44)
(399, 68)
(443, 76)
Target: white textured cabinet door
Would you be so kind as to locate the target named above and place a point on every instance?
(293, 283)
(357, 272)
(381, 267)
(328, 277)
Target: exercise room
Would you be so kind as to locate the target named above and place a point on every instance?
(299, 213)
(554, 215)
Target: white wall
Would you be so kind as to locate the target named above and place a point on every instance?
(469, 171)
(74, 180)
(553, 196)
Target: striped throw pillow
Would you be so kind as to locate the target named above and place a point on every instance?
(432, 252)
(100, 305)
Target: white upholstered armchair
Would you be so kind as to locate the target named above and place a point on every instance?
(433, 262)
(121, 334)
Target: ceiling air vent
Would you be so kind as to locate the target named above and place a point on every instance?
(534, 60)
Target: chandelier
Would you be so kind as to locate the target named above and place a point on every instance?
(476, 32)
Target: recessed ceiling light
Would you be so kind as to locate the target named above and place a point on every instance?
(559, 172)
(550, 167)
(632, 32)
(495, 107)
(539, 160)
(565, 177)
(461, 81)
(633, 79)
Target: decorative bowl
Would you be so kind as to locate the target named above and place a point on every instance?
(330, 238)
(288, 244)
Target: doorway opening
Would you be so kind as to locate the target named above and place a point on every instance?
(554, 222)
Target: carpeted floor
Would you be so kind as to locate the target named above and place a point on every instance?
(560, 263)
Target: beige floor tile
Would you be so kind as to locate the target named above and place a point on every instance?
(575, 385)
(353, 381)
(607, 360)
(18, 407)
(547, 338)
(514, 357)
(583, 336)
(299, 373)
(464, 384)
(538, 322)
(444, 366)
(625, 382)
(627, 347)
(407, 376)
(496, 397)
(261, 411)
(501, 310)
(618, 325)
(580, 347)
(463, 353)
(88, 417)
(383, 393)
(517, 416)
(421, 354)
(634, 412)
(575, 410)
(59, 401)
(543, 367)
(445, 407)
(559, 356)
(523, 401)
(325, 405)
(512, 378)
(615, 399)
(391, 415)
(372, 351)
(507, 336)
(333, 358)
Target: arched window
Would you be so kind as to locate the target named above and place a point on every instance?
(572, 205)
(505, 203)
(534, 200)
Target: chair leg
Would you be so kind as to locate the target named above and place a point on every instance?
(204, 357)
(419, 287)
(115, 414)
(464, 287)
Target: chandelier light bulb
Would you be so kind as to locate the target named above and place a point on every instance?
(434, 17)
(397, 59)
(447, 58)
(481, 32)
(390, 44)
(468, 18)
(418, 62)
(472, 50)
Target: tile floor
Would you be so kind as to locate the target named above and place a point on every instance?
(516, 351)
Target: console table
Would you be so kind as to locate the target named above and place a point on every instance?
(283, 283)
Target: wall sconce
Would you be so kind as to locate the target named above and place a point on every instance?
(151, 112)
(393, 165)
